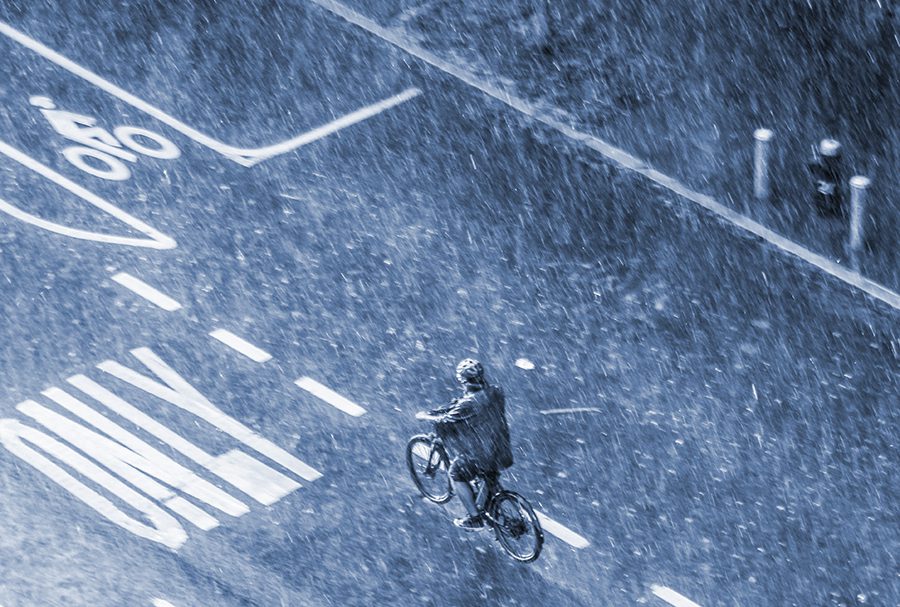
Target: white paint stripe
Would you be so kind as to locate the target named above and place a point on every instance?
(244, 156)
(187, 481)
(672, 597)
(615, 154)
(254, 478)
(261, 154)
(241, 345)
(154, 240)
(330, 396)
(571, 410)
(162, 603)
(561, 531)
(156, 524)
(181, 393)
(147, 292)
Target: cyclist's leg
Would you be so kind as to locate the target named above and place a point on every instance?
(489, 487)
(462, 472)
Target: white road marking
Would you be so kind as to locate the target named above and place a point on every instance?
(672, 597)
(157, 524)
(222, 466)
(162, 603)
(147, 292)
(571, 410)
(333, 126)
(154, 240)
(615, 154)
(330, 396)
(241, 345)
(141, 471)
(561, 531)
(524, 363)
(146, 458)
(182, 394)
(243, 156)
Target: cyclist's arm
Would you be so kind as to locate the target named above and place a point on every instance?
(460, 410)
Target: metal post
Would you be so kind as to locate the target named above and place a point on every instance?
(761, 189)
(858, 186)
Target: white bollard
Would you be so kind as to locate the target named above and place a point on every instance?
(858, 186)
(761, 164)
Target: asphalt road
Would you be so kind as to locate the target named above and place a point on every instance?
(738, 437)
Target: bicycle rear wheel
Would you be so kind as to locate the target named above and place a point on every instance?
(517, 526)
(428, 465)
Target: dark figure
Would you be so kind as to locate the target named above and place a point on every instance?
(474, 430)
(826, 171)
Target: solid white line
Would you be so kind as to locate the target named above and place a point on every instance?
(241, 345)
(561, 531)
(672, 597)
(330, 396)
(154, 240)
(571, 410)
(243, 156)
(359, 115)
(615, 154)
(147, 292)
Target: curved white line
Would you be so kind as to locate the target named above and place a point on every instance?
(155, 239)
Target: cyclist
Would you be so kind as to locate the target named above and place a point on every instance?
(474, 430)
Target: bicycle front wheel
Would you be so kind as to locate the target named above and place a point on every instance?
(517, 526)
(428, 465)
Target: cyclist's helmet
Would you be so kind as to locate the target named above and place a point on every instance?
(470, 371)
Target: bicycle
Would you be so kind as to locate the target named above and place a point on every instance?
(516, 526)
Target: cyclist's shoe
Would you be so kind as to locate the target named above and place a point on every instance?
(469, 522)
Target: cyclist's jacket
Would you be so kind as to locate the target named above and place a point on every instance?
(475, 426)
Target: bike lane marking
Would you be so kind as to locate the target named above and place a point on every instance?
(672, 597)
(243, 156)
(613, 153)
(330, 396)
(154, 240)
(241, 345)
(149, 293)
(561, 531)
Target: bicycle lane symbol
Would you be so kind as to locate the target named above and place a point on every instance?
(108, 150)
(245, 156)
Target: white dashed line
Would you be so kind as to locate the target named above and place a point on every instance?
(330, 396)
(162, 603)
(672, 597)
(241, 345)
(147, 292)
(617, 155)
(562, 532)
